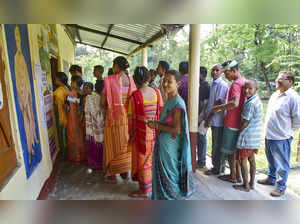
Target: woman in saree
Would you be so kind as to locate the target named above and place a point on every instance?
(94, 126)
(172, 167)
(146, 104)
(60, 97)
(115, 97)
(76, 148)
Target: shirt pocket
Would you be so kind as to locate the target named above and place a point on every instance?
(283, 110)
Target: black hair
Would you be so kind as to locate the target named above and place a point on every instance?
(228, 62)
(175, 73)
(61, 76)
(121, 62)
(184, 67)
(89, 85)
(203, 71)
(99, 67)
(289, 75)
(141, 75)
(77, 79)
(165, 65)
(152, 72)
(75, 68)
(110, 72)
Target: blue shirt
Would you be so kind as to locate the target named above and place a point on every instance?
(250, 137)
(218, 91)
(283, 115)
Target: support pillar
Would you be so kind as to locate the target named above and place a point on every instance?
(144, 57)
(298, 150)
(193, 99)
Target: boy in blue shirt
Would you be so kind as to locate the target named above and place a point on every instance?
(250, 134)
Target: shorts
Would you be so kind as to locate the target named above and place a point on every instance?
(245, 153)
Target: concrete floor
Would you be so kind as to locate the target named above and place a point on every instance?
(73, 182)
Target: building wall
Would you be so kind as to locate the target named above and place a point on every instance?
(18, 187)
(67, 50)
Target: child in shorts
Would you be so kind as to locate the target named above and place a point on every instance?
(250, 134)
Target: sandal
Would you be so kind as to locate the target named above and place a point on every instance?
(138, 194)
(124, 176)
(227, 178)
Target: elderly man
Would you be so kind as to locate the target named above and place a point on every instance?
(283, 117)
(217, 96)
(232, 122)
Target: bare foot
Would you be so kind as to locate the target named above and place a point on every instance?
(241, 188)
(251, 185)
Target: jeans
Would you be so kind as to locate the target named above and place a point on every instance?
(217, 135)
(278, 155)
(201, 151)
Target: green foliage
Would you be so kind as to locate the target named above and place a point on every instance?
(262, 50)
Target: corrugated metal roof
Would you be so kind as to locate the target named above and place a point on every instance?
(120, 38)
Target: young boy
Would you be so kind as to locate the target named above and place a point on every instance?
(250, 134)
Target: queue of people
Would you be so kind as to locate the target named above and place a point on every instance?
(137, 127)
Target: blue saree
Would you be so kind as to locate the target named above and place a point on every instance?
(172, 166)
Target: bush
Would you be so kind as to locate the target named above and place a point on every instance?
(297, 87)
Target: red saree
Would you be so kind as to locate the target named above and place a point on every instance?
(76, 149)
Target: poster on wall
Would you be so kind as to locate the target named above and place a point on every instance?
(22, 79)
(43, 73)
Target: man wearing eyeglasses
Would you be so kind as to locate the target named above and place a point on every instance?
(282, 119)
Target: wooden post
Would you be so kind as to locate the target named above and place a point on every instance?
(144, 57)
(298, 150)
(193, 103)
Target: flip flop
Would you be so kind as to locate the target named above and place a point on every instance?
(110, 180)
(227, 178)
(138, 194)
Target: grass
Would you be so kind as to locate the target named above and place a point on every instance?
(261, 160)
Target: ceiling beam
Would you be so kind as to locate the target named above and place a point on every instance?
(70, 34)
(108, 32)
(78, 35)
(155, 37)
(104, 33)
(103, 48)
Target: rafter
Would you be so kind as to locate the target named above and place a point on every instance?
(103, 48)
(104, 33)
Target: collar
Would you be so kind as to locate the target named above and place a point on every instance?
(286, 93)
(218, 80)
(252, 97)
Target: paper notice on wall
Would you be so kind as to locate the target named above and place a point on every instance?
(38, 76)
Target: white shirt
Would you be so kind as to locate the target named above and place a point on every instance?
(283, 115)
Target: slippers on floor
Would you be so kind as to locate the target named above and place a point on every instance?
(138, 194)
(110, 180)
(227, 178)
